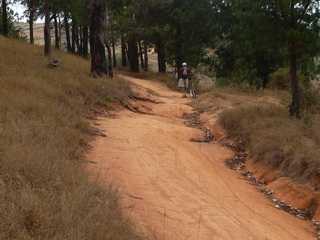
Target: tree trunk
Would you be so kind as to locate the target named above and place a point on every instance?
(73, 37)
(31, 20)
(161, 56)
(146, 57)
(123, 52)
(114, 53)
(5, 27)
(141, 55)
(110, 69)
(179, 51)
(97, 48)
(56, 32)
(47, 34)
(295, 104)
(80, 40)
(85, 41)
(67, 30)
(59, 27)
(133, 53)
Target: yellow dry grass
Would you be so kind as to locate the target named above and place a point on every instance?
(261, 121)
(272, 137)
(44, 191)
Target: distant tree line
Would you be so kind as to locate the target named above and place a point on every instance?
(177, 29)
(250, 39)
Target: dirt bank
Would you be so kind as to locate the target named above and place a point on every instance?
(178, 189)
(303, 195)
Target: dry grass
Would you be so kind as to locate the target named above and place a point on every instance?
(280, 95)
(272, 137)
(166, 78)
(44, 191)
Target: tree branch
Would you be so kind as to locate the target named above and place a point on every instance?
(306, 7)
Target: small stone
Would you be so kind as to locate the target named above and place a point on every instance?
(301, 216)
(282, 204)
(269, 192)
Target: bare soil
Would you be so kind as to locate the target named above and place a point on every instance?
(174, 188)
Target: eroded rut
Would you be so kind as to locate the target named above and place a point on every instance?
(174, 188)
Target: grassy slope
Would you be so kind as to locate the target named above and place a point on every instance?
(272, 137)
(261, 121)
(44, 192)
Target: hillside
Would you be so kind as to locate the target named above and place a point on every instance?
(38, 31)
(39, 34)
(63, 152)
(160, 120)
(44, 191)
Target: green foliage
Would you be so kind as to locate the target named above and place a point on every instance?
(257, 33)
(249, 42)
(190, 23)
(280, 79)
(183, 26)
(13, 31)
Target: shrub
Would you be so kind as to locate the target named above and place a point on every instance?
(311, 100)
(280, 79)
(277, 140)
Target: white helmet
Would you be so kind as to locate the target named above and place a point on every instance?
(184, 64)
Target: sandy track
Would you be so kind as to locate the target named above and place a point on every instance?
(176, 189)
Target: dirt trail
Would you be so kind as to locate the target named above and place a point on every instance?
(177, 189)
